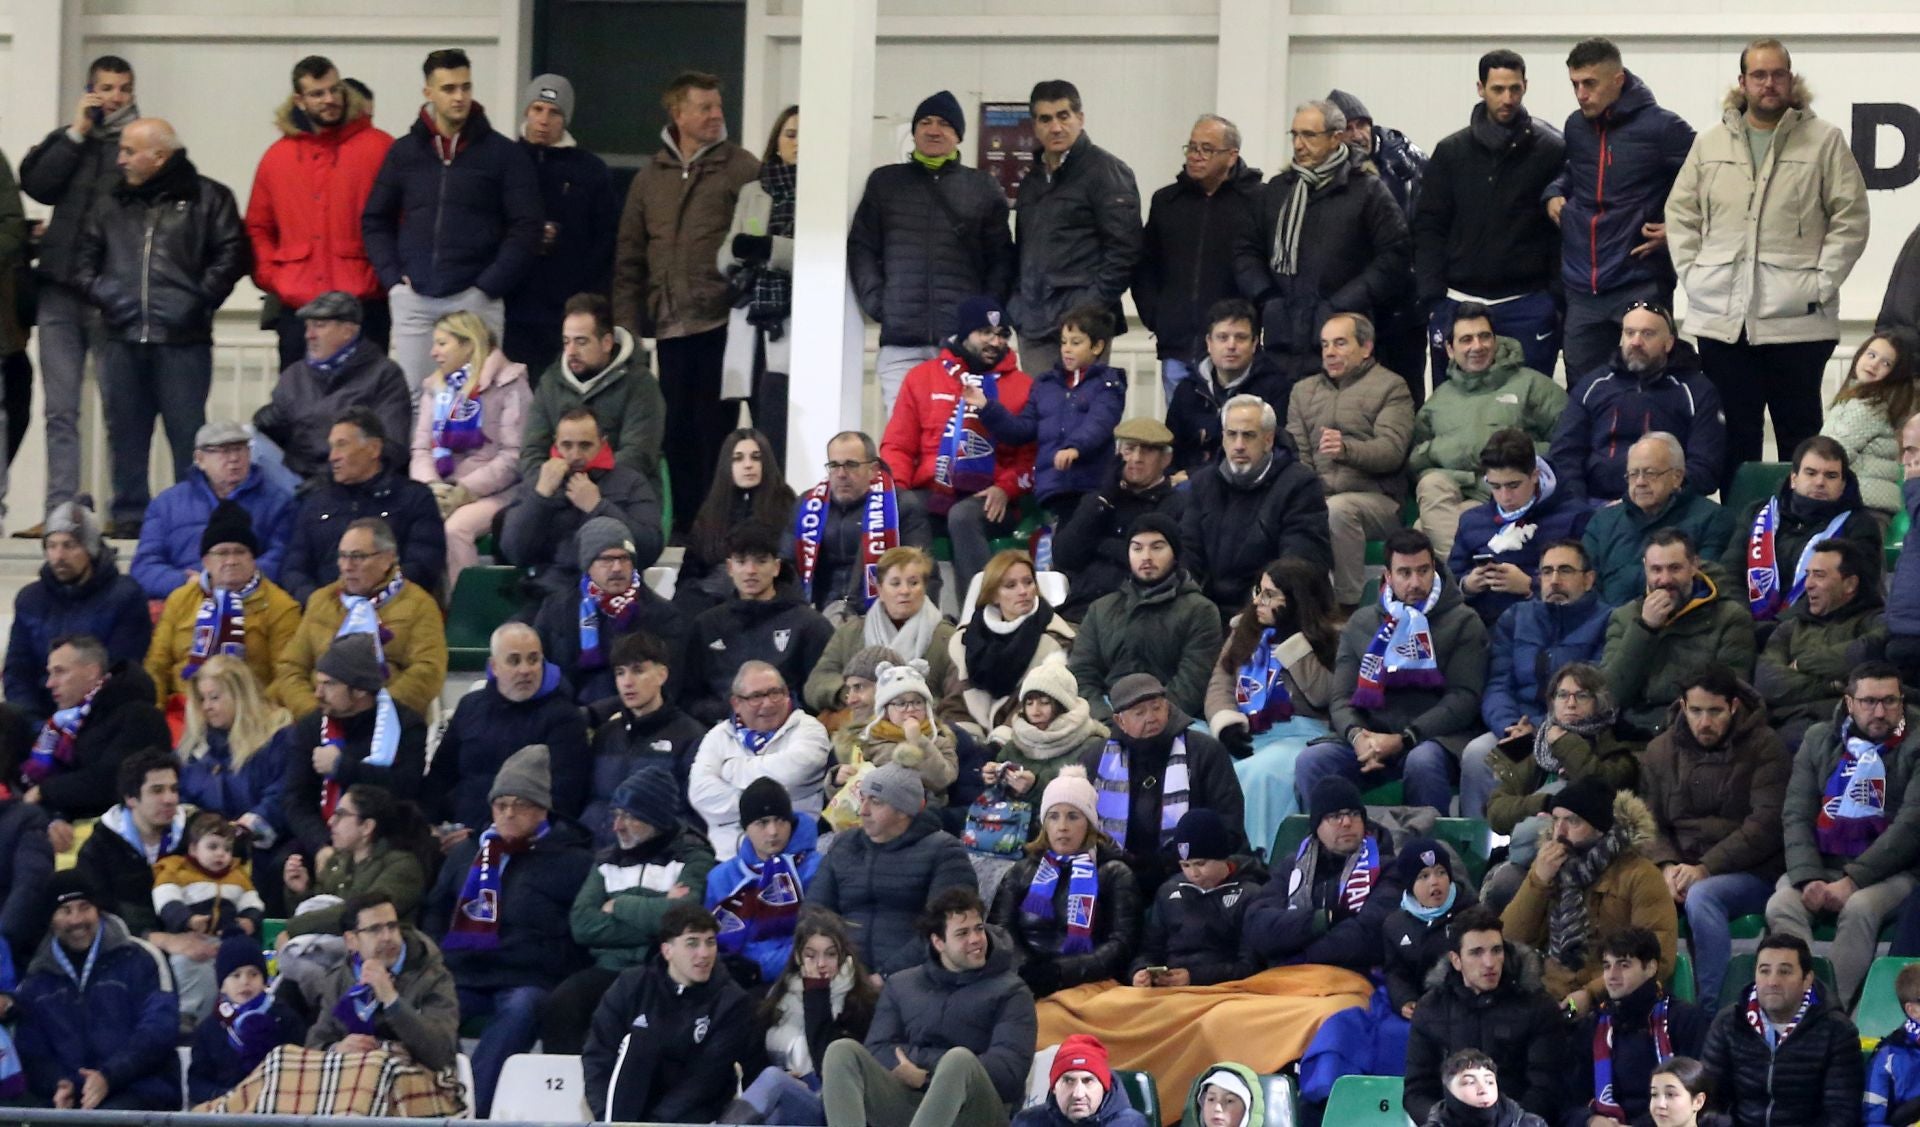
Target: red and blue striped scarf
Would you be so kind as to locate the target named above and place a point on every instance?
(964, 463)
(220, 627)
(476, 915)
(1764, 595)
(1605, 1103)
(1260, 689)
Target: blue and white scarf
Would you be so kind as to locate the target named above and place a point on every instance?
(456, 421)
(220, 627)
(363, 616)
(1853, 804)
(1083, 894)
(356, 1007)
(1401, 653)
(1260, 688)
(1363, 873)
(1425, 914)
(93, 955)
(120, 821)
(1764, 597)
(751, 740)
(332, 364)
(248, 1025)
(1114, 801)
(964, 464)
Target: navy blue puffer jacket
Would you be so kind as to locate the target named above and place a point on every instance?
(1620, 167)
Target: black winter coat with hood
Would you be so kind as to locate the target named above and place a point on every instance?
(1231, 531)
(1116, 924)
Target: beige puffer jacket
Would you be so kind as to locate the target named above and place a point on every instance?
(1373, 411)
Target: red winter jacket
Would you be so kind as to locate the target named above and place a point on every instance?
(304, 215)
(921, 414)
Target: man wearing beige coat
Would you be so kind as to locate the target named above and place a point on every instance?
(1352, 423)
(1765, 221)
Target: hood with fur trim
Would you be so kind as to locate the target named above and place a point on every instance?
(293, 122)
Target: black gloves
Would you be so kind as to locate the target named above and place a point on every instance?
(1238, 740)
(752, 248)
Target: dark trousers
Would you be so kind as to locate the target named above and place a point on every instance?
(17, 373)
(696, 424)
(1905, 653)
(1533, 320)
(1401, 347)
(141, 382)
(533, 343)
(1781, 379)
(376, 324)
(1591, 332)
(568, 1014)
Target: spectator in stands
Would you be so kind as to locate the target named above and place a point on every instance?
(1486, 997)
(453, 220)
(158, 256)
(1785, 1052)
(766, 621)
(1763, 343)
(748, 488)
(1875, 400)
(1329, 237)
(200, 892)
(1575, 741)
(582, 215)
(1235, 364)
(466, 437)
(911, 264)
(344, 367)
(1679, 1095)
(1479, 230)
(822, 994)
(603, 369)
(1071, 905)
(1903, 593)
(95, 1027)
(902, 618)
(881, 877)
(666, 282)
(372, 596)
(655, 863)
(1591, 880)
(102, 713)
(395, 988)
(525, 700)
(231, 608)
(1012, 630)
(1657, 498)
(169, 550)
(1081, 1090)
(1071, 413)
(1418, 935)
(1473, 1095)
(23, 879)
(1623, 152)
(303, 216)
(1261, 502)
(1488, 388)
(958, 1029)
(1185, 272)
(1715, 781)
(1891, 1088)
(376, 842)
(1775, 538)
(862, 675)
(1850, 833)
(671, 1039)
(1153, 769)
(1327, 904)
(1091, 545)
(1688, 619)
(1497, 544)
(1635, 1026)
(758, 894)
(901, 729)
(357, 733)
(578, 482)
(1228, 1095)
(1192, 933)
(70, 170)
(250, 1023)
(756, 259)
(581, 629)
(1159, 623)
(80, 591)
(639, 725)
(764, 736)
(363, 486)
(1837, 622)
(1404, 710)
(938, 446)
(502, 903)
(1052, 730)
(1653, 383)
(831, 548)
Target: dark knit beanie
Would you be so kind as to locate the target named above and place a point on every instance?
(764, 798)
(354, 662)
(1202, 835)
(983, 312)
(1590, 798)
(649, 794)
(238, 951)
(1354, 108)
(943, 105)
(1417, 856)
(69, 885)
(1161, 523)
(1331, 795)
(229, 524)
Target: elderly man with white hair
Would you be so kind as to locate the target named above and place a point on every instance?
(1658, 497)
(157, 257)
(764, 737)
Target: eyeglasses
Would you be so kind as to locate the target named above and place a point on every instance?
(356, 557)
(1576, 696)
(1344, 815)
(388, 927)
(1878, 704)
(917, 705)
(1207, 151)
(1297, 134)
(1560, 570)
(1646, 474)
(848, 467)
(232, 450)
(764, 696)
(1269, 598)
(340, 812)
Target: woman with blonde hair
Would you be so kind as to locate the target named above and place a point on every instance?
(1013, 630)
(902, 618)
(466, 433)
(229, 760)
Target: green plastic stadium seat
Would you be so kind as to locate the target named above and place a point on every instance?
(1879, 1012)
(1683, 984)
(483, 598)
(1140, 1091)
(1754, 482)
(1366, 1101)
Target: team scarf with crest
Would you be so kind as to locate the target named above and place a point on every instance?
(1764, 596)
(1401, 652)
(363, 617)
(753, 741)
(1083, 893)
(964, 464)
(1605, 1103)
(879, 532)
(476, 917)
(1260, 689)
(1114, 799)
(619, 609)
(248, 1025)
(356, 1007)
(53, 747)
(1757, 1018)
(1356, 884)
(456, 421)
(221, 625)
(1853, 805)
(764, 905)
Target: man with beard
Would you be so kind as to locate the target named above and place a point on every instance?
(1590, 881)
(1235, 364)
(604, 370)
(1158, 623)
(1329, 901)
(1775, 538)
(1259, 503)
(581, 629)
(1479, 232)
(79, 591)
(1658, 497)
(937, 446)
(1689, 619)
(841, 526)
(1653, 384)
(1765, 221)
(1785, 1053)
(1091, 547)
(1715, 781)
(1837, 623)
(1851, 836)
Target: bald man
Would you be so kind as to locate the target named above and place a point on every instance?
(157, 256)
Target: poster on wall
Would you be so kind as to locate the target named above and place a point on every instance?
(1006, 143)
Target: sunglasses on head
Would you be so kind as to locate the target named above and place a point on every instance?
(1655, 308)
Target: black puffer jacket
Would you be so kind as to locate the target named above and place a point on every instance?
(1514, 1023)
(1198, 930)
(1194, 414)
(1078, 233)
(1212, 785)
(537, 888)
(160, 258)
(1229, 532)
(1481, 225)
(1116, 925)
(1813, 1079)
(881, 889)
(1411, 947)
(71, 176)
(1186, 257)
(1091, 547)
(1355, 257)
(913, 261)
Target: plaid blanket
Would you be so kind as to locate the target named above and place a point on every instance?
(294, 1080)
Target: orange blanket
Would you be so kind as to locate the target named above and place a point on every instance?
(1264, 1022)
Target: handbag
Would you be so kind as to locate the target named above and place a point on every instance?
(997, 823)
(843, 809)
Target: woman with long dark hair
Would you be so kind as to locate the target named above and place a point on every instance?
(1877, 399)
(748, 487)
(757, 261)
(1272, 687)
(823, 995)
